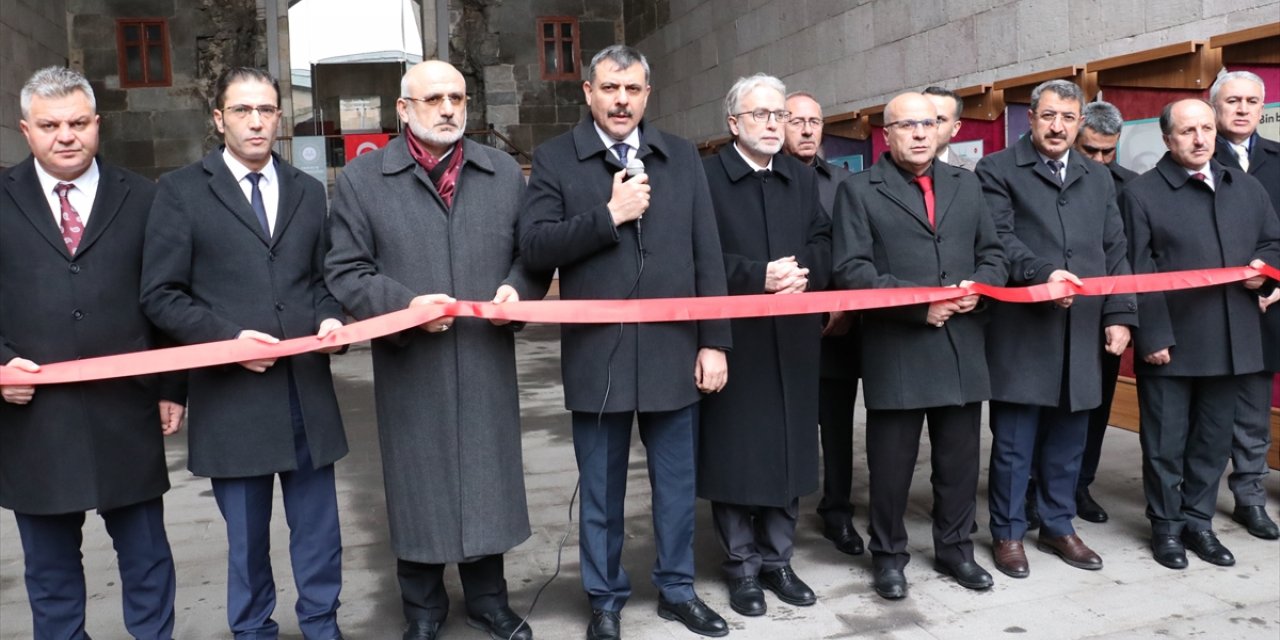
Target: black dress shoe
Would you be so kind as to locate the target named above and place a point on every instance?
(1168, 551)
(695, 615)
(605, 625)
(501, 624)
(1205, 544)
(1088, 509)
(967, 573)
(788, 586)
(890, 584)
(746, 596)
(845, 536)
(422, 630)
(1256, 522)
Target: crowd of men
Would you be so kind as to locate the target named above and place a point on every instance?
(95, 260)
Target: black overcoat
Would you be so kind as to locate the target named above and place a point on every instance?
(883, 240)
(566, 225)
(209, 272)
(77, 447)
(842, 354)
(1041, 354)
(1176, 223)
(758, 442)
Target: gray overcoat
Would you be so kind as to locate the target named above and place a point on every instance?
(448, 406)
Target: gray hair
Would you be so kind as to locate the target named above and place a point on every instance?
(1065, 89)
(733, 100)
(55, 82)
(1235, 75)
(1102, 117)
(620, 55)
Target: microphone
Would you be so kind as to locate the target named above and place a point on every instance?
(634, 167)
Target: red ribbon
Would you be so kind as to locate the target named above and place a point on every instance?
(609, 311)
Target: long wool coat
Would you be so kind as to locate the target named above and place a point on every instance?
(758, 440)
(448, 406)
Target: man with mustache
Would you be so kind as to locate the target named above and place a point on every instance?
(758, 451)
(235, 250)
(1237, 98)
(650, 236)
(1196, 349)
(1055, 211)
(427, 219)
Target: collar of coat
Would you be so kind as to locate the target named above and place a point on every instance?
(24, 186)
(397, 158)
(887, 178)
(1260, 151)
(737, 168)
(1078, 166)
(1176, 175)
(587, 143)
(227, 189)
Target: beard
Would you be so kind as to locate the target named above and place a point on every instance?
(756, 144)
(437, 138)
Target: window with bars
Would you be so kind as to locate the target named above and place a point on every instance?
(142, 50)
(558, 48)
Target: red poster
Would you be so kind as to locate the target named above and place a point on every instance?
(361, 143)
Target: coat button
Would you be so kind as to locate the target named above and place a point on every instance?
(938, 239)
(1068, 253)
(74, 268)
(1062, 201)
(279, 307)
(943, 276)
(271, 256)
(77, 314)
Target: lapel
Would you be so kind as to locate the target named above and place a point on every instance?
(473, 157)
(734, 166)
(112, 192)
(396, 158)
(224, 186)
(290, 196)
(24, 187)
(1260, 153)
(946, 183)
(1025, 154)
(1076, 169)
(890, 183)
(586, 143)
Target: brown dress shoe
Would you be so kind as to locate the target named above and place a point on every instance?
(1010, 558)
(1071, 549)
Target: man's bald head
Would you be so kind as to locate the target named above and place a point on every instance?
(433, 103)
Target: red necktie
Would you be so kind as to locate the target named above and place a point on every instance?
(72, 225)
(926, 185)
(1198, 176)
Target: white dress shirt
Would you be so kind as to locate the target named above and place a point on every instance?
(269, 185)
(81, 197)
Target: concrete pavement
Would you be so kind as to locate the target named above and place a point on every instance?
(1131, 597)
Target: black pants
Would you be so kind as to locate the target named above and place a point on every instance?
(1098, 420)
(424, 596)
(755, 539)
(836, 399)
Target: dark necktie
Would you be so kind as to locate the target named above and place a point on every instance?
(1056, 167)
(622, 149)
(926, 185)
(69, 219)
(259, 206)
(1198, 176)
(764, 174)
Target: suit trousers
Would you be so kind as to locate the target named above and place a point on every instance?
(424, 597)
(1098, 420)
(755, 539)
(315, 543)
(1251, 440)
(893, 444)
(1185, 434)
(1054, 438)
(602, 444)
(836, 399)
(55, 573)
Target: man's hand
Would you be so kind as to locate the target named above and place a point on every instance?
(19, 393)
(1062, 275)
(785, 275)
(1256, 281)
(1264, 302)
(439, 325)
(941, 311)
(1159, 358)
(711, 372)
(171, 417)
(630, 198)
(1117, 339)
(969, 302)
(838, 323)
(327, 327)
(258, 366)
(506, 293)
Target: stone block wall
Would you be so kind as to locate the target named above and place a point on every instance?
(33, 34)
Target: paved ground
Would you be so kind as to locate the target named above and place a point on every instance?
(1131, 597)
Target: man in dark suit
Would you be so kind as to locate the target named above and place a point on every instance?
(1100, 124)
(1237, 97)
(758, 451)
(920, 361)
(582, 217)
(949, 105)
(71, 232)
(1197, 347)
(1056, 214)
(838, 383)
(235, 249)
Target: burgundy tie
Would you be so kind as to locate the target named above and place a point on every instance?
(1198, 176)
(926, 185)
(72, 225)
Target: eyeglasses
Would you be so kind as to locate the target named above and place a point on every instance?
(1048, 117)
(242, 111)
(762, 115)
(799, 123)
(907, 126)
(434, 100)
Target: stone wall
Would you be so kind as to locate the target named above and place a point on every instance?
(33, 34)
(858, 53)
